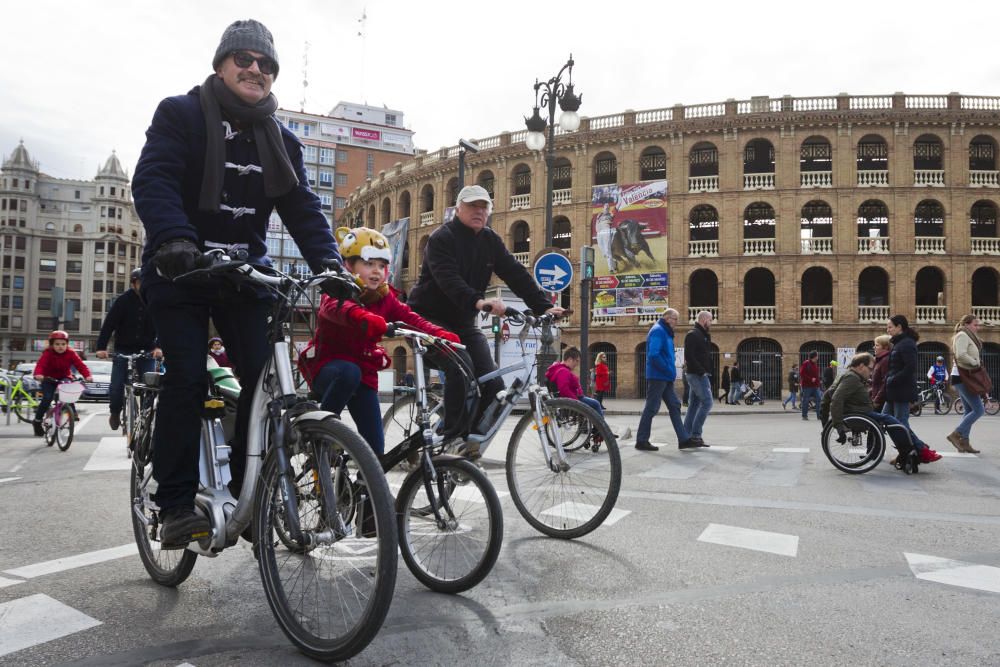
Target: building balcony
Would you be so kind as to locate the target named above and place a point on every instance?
(816, 179)
(601, 320)
(877, 245)
(648, 318)
(817, 246)
(758, 314)
(932, 314)
(562, 196)
(929, 245)
(524, 258)
(758, 181)
(520, 201)
(758, 246)
(983, 246)
(929, 177)
(703, 184)
(873, 314)
(984, 179)
(988, 315)
(703, 248)
(821, 314)
(426, 218)
(694, 310)
(873, 178)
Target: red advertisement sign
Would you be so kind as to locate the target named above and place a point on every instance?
(370, 135)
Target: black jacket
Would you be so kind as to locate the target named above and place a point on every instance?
(901, 380)
(698, 351)
(130, 323)
(457, 268)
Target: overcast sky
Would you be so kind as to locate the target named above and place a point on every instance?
(83, 78)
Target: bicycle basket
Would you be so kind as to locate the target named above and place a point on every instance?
(69, 392)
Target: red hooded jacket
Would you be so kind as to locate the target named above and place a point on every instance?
(54, 365)
(602, 378)
(342, 334)
(565, 380)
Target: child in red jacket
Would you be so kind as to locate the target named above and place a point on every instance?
(342, 361)
(54, 365)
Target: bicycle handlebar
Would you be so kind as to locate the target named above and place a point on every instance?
(526, 316)
(394, 329)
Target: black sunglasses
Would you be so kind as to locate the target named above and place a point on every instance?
(264, 64)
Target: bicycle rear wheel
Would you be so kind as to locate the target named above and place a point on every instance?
(24, 407)
(63, 425)
(454, 554)
(330, 594)
(943, 406)
(166, 567)
(576, 498)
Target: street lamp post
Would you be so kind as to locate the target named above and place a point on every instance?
(547, 95)
(463, 148)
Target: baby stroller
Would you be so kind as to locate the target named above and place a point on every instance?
(751, 392)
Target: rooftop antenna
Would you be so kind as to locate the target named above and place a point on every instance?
(362, 22)
(305, 76)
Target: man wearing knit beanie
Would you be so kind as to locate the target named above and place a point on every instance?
(215, 165)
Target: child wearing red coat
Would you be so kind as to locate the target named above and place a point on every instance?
(342, 361)
(54, 365)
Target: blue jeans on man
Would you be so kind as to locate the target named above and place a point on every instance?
(119, 375)
(656, 391)
(809, 393)
(699, 403)
(594, 403)
(896, 434)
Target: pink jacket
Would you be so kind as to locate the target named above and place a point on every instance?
(565, 380)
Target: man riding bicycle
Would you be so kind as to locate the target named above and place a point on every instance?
(461, 257)
(216, 163)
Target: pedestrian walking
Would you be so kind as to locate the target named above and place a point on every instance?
(661, 372)
(809, 379)
(972, 380)
(735, 384)
(829, 375)
(724, 385)
(698, 371)
(686, 388)
(901, 379)
(883, 345)
(602, 378)
(793, 389)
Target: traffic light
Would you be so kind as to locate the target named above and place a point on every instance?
(496, 324)
(587, 261)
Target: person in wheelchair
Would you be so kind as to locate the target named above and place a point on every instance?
(562, 376)
(849, 395)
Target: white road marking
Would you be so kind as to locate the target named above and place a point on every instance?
(4, 583)
(86, 420)
(9, 479)
(111, 454)
(791, 450)
(72, 562)
(687, 465)
(747, 538)
(37, 619)
(715, 448)
(582, 512)
(959, 455)
(27, 458)
(954, 572)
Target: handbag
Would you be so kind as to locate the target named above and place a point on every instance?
(976, 380)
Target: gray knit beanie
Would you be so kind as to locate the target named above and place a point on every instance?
(249, 35)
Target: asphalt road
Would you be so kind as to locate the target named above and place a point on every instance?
(753, 552)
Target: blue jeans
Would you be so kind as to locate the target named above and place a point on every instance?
(735, 392)
(699, 403)
(119, 373)
(974, 409)
(49, 392)
(901, 411)
(807, 393)
(594, 403)
(791, 398)
(656, 391)
(339, 384)
(895, 433)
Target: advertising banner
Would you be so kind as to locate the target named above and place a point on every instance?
(629, 225)
(396, 233)
(369, 135)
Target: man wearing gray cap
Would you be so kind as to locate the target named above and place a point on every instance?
(215, 164)
(460, 259)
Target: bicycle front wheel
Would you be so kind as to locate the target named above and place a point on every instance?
(453, 550)
(331, 592)
(564, 499)
(63, 425)
(166, 567)
(943, 406)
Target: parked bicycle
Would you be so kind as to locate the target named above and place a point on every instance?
(566, 483)
(22, 398)
(990, 404)
(936, 394)
(306, 476)
(58, 422)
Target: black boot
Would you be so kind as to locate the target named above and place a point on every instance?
(39, 431)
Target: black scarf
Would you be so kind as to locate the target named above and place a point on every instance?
(279, 176)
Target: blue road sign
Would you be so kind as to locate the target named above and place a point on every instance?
(553, 272)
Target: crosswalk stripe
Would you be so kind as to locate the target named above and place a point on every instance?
(37, 619)
(583, 511)
(9, 479)
(748, 538)
(779, 470)
(954, 572)
(790, 450)
(4, 582)
(111, 454)
(687, 465)
(959, 455)
(72, 562)
(885, 479)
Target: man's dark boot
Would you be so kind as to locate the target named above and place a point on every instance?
(115, 421)
(39, 431)
(182, 525)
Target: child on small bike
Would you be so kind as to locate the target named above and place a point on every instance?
(54, 366)
(341, 363)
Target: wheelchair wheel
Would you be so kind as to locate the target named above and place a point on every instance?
(863, 450)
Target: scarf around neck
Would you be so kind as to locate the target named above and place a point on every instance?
(216, 98)
(975, 339)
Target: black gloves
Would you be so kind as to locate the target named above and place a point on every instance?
(176, 257)
(841, 435)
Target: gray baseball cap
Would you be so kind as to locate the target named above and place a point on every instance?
(473, 193)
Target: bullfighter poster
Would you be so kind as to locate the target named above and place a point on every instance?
(629, 225)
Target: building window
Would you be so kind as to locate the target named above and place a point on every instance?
(47, 265)
(341, 156)
(341, 202)
(14, 182)
(18, 282)
(305, 130)
(74, 266)
(311, 175)
(341, 179)
(326, 178)
(326, 156)
(293, 125)
(390, 119)
(370, 165)
(76, 194)
(49, 245)
(44, 302)
(74, 248)
(327, 201)
(309, 153)
(112, 191)
(99, 267)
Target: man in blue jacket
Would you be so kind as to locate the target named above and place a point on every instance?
(661, 371)
(215, 165)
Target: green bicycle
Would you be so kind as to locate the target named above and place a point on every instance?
(21, 397)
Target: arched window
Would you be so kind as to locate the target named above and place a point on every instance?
(759, 229)
(427, 199)
(928, 153)
(370, 220)
(760, 359)
(703, 160)
(986, 294)
(652, 164)
(928, 227)
(521, 179)
(562, 174)
(78, 229)
(605, 169)
(640, 368)
(815, 156)
(929, 294)
(873, 154)
(403, 208)
(817, 287)
(611, 354)
(452, 192)
(406, 257)
(758, 157)
(703, 224)
(873, 288)
(983, 161)
(386, 212)
(486, 181)
(520, 237)
(422, 247)
(983, 228)
(562, 233)
(703, 291)
(51, 226)
(873, 227)
(826, 351)
(816, 227)
(758, 296)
